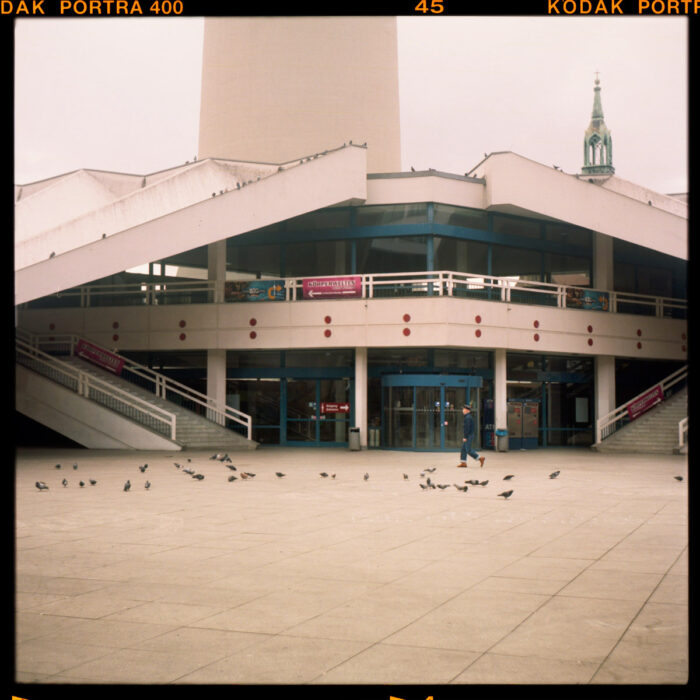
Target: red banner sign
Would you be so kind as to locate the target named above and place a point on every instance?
(98, 356)
(332, 287)
(645, 402)
(335, 407)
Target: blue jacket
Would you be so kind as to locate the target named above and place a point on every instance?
(468, 426)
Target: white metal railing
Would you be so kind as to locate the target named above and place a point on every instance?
(162, 386)
(90, 387)
(606, 425)
(683, 432)
(439, 283)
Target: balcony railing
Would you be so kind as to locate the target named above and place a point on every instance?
(415, 284)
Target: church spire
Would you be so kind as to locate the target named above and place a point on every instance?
(597, 143)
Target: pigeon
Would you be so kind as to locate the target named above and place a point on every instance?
(427, 481)
(147, 485)
(92, 482)
(554, 475)
(143, 468)
(332, 476)
(127, 485)
(58, 466)
(188, 471)
(323, 474)
(244, 475)
(279, 474)
(366, 476)
(82, 483)
(65, 483)
(442, 486)
(507, 478)
(177, 465)
(678, 478)
(483, 483)
(430, 470)
(249, 474)
(405, 477)
(198, 476)
(41, 486)
(75, 466)
(231, 467)
(461, 488)
(506, 494)
(232, 478)
(472, 482)
(423, 486)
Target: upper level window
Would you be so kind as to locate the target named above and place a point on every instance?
(381, 215)
(515, 226)
(460, 216)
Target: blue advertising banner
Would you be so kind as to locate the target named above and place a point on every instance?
(255, 290)
(587, 299)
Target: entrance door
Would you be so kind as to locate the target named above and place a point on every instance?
(317, 411)
(424, 412)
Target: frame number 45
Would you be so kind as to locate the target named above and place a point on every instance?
(434, 6)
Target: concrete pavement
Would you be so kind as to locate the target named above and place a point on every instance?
(302, 579)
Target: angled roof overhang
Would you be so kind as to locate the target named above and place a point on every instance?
(177, 211)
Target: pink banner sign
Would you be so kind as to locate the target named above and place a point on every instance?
(335, 407)
(645, 402)
(100, 357)
(332, 287)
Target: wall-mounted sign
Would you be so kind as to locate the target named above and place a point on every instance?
(332, 287)
(335, 407)
(587, 299)
(255, 290)
(98, 356)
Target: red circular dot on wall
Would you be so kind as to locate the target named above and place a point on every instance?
(253, 334)
(407, 331)
(683, 336)
(115, 324)
(182, 336)
(115, 337)
(477, 333)
(537, 336)
(406, 318)
(683, 348)
(590, 329)
(327, 332)
(639, 331)
(590, 341)
(536, 324)
(639, 346)
(52, 326)
(252, 321)
(477, 319)
(327, 319)
(182, 324)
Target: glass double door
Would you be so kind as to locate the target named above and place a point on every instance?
(426, 417)
(317, 411)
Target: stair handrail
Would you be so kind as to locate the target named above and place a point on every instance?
(683, 432)
(605, 425)
(162, 384)
(84, 382)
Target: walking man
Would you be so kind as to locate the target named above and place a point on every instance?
(467, 437)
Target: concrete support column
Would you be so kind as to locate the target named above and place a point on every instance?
(602, 261)
(604, 387)
(216, 268)
(500, 391)
(216, 381)
(361, 394)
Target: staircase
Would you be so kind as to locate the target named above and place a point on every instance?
(194, 431)
(656, 431)
(127, 404)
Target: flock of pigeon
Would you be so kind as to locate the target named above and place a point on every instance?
(224, 458)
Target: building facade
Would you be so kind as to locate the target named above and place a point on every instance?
(326, 293)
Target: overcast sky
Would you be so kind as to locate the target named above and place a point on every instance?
(123, 94)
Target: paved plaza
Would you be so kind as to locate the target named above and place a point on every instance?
(305, 579)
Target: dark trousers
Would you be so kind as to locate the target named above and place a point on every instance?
(467, 450)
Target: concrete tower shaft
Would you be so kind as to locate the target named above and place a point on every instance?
(278, 88)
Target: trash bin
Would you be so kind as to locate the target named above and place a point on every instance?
(501, 441)
(354, 439)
